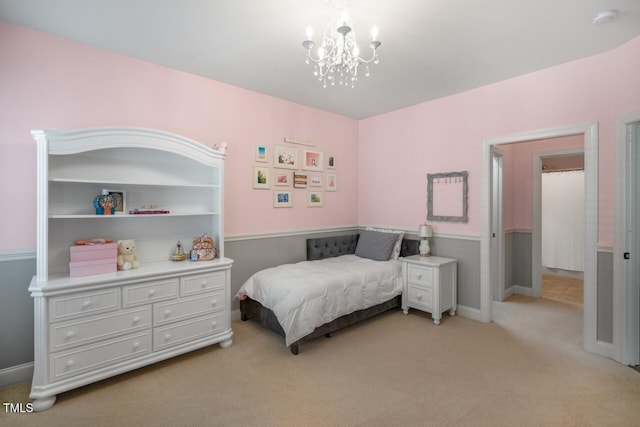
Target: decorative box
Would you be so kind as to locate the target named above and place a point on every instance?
(93, 252)
(89, 268)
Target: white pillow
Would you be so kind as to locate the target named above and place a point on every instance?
(395, 253)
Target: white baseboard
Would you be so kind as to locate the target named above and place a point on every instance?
(522, 290)
(604, 349)
(235, 315)
(508, 292)
(471, 313)
(16, 374)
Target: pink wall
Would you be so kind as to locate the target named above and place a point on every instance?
(48, 82)
(398, 149)
(518, 194)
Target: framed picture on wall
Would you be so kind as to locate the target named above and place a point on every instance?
(261, 154)
(282, 199)
(285, 157)
(315, 181)
(331, 162)
(282, 179)
(315, 199)
(331, 182)
(312, 160)
(261, 177)
(299, 180)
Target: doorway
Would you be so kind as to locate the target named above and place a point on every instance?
(590, 134)
(626, 286)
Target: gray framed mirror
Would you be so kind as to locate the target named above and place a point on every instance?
(447, 196)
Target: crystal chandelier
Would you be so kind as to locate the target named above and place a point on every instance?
(338, 57)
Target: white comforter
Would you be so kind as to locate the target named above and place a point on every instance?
(308, 294)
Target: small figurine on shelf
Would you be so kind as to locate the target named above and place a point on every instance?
(179, 255)
(105, 203)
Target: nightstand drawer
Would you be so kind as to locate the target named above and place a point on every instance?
(422, 275)
(420, 297)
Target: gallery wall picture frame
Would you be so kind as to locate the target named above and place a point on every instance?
(315, 199)
(121, 197)
(261, 177)
(282, 179)
(331, 161)
(315, 181)
(299, 180)
(331, 182)
(285, 157)
(262, 154)
(282, 198)
(312, 160)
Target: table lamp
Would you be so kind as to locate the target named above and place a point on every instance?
(424, 232)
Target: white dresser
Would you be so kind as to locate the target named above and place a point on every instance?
(429, 284)
(93, 327)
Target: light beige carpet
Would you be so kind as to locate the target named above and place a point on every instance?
(525, 369)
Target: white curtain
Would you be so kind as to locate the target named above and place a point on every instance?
(563, 220)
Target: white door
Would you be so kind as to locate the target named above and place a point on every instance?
(497, 228)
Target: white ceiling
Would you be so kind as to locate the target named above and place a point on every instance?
(430, 48)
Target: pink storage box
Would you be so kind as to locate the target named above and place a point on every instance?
(89, 268)
(93, 252)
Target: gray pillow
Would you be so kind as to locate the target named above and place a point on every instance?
(376, 245)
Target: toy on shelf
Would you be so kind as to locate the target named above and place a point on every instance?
(127, 258)
(179, 255)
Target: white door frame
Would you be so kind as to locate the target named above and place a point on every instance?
(625, 281)
(590, 318)
(536, 232)
(497, 225)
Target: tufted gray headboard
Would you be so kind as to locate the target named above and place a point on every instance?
(327, 247)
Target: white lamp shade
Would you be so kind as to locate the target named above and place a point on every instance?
(425, 230)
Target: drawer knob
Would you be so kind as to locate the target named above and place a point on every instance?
(213, 303)
(86, 304)
(136, 345)
(204, 283)
(152, 292)
(419, 276)
(136, 319)
(69, 363)
(70, 334)
(167, 337)
(214, 323)
(419, 297)
(167, 312)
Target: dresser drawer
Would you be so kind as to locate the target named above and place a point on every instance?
(149, 292)
(99, 355)
(188, 330)
(420, 297)
(172, 311)
(96, 328)
(422, 275)
(79, 305)
(202, 283)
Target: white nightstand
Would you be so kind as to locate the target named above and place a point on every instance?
(429, 284)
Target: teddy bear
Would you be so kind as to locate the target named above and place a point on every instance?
(127, 258)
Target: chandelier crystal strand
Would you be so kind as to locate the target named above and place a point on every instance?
(338, 57)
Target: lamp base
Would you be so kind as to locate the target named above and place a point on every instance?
(425, 249)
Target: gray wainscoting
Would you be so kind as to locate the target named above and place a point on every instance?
(467, 252)
(521, 260)
(16, 312)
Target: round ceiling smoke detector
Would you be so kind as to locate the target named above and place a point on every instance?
(604, 17)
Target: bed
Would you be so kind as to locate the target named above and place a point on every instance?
(333, 289)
